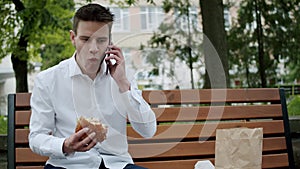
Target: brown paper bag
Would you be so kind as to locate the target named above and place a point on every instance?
(238, 148)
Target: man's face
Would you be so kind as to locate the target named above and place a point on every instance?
(91, 42)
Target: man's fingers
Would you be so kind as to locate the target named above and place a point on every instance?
(89, 142)
(91, 136)
(115, 51)
(83, 140)
(81, 133)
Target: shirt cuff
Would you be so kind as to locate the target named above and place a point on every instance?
(57, 147)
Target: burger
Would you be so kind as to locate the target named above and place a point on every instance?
(94, 125)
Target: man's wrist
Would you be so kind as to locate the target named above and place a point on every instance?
(124, 85)
(65, 148)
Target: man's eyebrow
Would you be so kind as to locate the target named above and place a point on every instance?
(101, 37)
(84, 37)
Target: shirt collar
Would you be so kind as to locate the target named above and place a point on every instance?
(75, 70)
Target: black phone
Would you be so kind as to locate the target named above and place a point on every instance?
(106, 72)
(110, 43)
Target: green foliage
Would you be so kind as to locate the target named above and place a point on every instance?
(123, 3)
(57, 48)
(3, 125)
(294, 106)
(8, 21)
(54, 44)
(280, 39)
(36, 21)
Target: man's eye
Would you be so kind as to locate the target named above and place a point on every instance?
(85, 39)
(101, 40)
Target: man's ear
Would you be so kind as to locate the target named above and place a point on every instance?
(72, 37)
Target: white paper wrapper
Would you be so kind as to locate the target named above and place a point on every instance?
(205, 164)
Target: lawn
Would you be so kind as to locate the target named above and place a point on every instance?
(294, 106)
(3, 125)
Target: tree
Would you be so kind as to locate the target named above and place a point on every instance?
(24, 24)
(179, 35)
(265, 33)
(213, 28)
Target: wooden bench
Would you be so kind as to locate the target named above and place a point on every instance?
(187, 121)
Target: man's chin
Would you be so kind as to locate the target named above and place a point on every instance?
(93, 67)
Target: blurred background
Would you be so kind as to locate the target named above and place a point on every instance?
(167, 44)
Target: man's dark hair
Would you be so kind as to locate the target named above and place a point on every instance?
(93, 12)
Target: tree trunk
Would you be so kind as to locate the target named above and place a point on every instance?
(214, 44)
(190, 50)
(19, 62)
(259, 33)
(19, 56)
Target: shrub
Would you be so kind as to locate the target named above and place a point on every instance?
(294, 106)
(3, 125)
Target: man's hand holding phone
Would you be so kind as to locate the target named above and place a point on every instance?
(117, 69)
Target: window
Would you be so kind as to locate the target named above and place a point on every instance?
(121, 20)
(226, 19)
(151, 17)
(183, 22)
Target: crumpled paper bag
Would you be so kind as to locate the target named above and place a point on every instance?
(238, 148)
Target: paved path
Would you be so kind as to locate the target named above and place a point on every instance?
(296, 149)
(3, 160)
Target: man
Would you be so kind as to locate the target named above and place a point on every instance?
(88, 84)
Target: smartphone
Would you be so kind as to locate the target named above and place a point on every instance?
(106, 72)
(107, 55)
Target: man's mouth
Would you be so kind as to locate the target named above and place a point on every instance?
(93, 59)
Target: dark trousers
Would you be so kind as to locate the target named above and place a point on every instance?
(49, 166)
(102, 166)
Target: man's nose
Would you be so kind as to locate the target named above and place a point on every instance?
(93, 47)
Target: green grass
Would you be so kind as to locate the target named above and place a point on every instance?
(294, 106)
(3, 125)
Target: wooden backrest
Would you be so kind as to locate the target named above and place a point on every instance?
(187, 121)
(19, 154)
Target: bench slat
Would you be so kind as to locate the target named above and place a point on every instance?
(25, 155)
(180, 131)
(22, 117)
(195, 113)
(22, 100)
(217, 112)
(162, 150)
(275, 161)
(210, 96)
(21, 136)
(268, 161)
(30, 167)
(168, 150)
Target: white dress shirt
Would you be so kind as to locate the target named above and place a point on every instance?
(62, 93)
